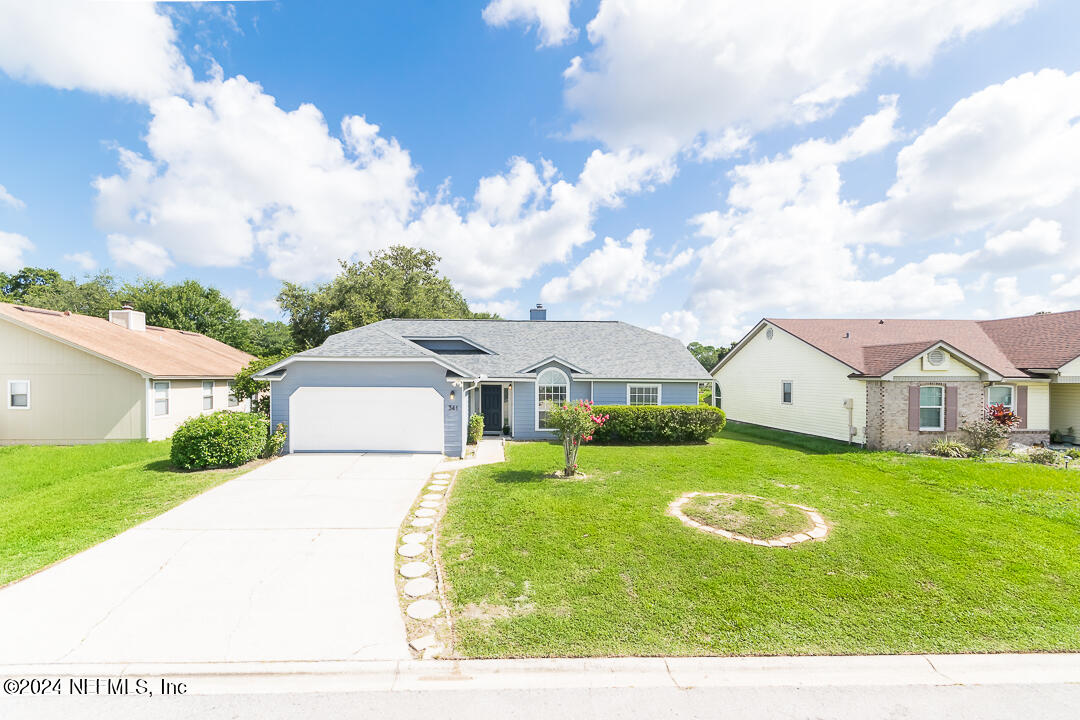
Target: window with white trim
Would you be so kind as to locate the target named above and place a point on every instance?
(931, 407)
(786, 388)
(208, 395)
(642, 394)
(18, 395)
(1000, 395)
(552, 390)
(161, 398)
(233, 400)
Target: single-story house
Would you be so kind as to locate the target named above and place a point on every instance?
(902, 384)
(71, 378)
(410, 385)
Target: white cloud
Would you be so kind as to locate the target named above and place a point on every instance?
(144, 256)
(996, 170)
(231, 175)
(614, 272)
(229, 172)
(507, 309)
(7, 198)
(684, 73)
(552, 18)
(126, 49)
(682, 324)
(85, 260)
(12, 247)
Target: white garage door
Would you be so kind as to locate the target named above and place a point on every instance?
(359, 419)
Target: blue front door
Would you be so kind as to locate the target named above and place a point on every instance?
(491, 407)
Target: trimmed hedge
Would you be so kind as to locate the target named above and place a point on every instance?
(220, 439)
(651, 424)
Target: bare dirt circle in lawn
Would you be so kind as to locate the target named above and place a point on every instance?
(749, 519)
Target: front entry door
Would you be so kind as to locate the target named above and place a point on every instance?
(491, 407)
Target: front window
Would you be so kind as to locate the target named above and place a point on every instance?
(233, 400)
(161, 399)
(642, 394)
(1000, 395)
(552, 390)
(785, 392)
(931, 407)
(208, 395)
(18, 394)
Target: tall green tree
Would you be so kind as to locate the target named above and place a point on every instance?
(399, 282)
(46, 288)
(268, 338)
(708, 355)
(189, 306)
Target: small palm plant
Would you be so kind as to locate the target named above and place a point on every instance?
(575, 425)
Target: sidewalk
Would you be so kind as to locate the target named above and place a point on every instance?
(598, 673)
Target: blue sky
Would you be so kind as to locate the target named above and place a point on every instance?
(791, 159)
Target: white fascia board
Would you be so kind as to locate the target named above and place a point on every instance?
(554, 358)
(261, 375)
(989, 372)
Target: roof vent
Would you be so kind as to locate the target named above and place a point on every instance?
(847, 335)
(936, 359)
(538, 312)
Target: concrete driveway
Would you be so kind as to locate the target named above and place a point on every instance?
(293, 561)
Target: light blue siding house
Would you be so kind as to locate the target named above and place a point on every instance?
(410, 385)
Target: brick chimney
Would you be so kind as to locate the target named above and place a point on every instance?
(128, 317)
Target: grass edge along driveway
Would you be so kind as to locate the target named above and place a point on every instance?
(925, 555)
(56, 501)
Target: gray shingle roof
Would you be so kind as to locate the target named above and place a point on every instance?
(603, 349)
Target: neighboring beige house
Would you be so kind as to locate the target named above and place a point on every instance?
(76, 379)
(901, 384)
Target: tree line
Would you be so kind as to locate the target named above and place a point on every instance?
(399, 282)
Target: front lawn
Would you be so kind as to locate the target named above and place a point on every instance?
(924, 554)
(56, 501)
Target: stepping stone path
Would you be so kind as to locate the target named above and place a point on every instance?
(419, 586)
(430, 503)
(441, 476)
(414, 569)
(411, 550)
(432, 496)
(414, 538)
(423, 609)
(424, 512)
(818, 531)
(422, 522)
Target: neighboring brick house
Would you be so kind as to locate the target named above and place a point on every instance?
(901, 384)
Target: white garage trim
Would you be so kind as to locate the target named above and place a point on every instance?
(366, 419)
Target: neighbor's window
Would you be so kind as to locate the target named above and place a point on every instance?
(161, 398)
(931, 407)
(719, 396)
(18, 394)
(552, 390)
(642, 394)
(208, 395)
(1000, 395)
(233, 400)
(785, 392)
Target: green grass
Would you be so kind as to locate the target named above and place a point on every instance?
(754, 517)
(56, 501)
(924, 554)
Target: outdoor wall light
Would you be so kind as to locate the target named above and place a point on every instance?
(451, 394)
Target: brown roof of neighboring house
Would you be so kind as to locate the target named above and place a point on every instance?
(1043, 341)
(874, 347)
(157, 352)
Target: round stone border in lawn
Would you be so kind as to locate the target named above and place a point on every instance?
(818, 530)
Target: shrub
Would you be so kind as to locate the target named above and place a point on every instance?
(1043, 456)
(575, 425)
(651, 424)
(950, 449)
(984, 434)
(476, 428)
(220, 439)
(275, 442)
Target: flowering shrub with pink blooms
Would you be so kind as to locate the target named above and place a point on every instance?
(575, 425)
